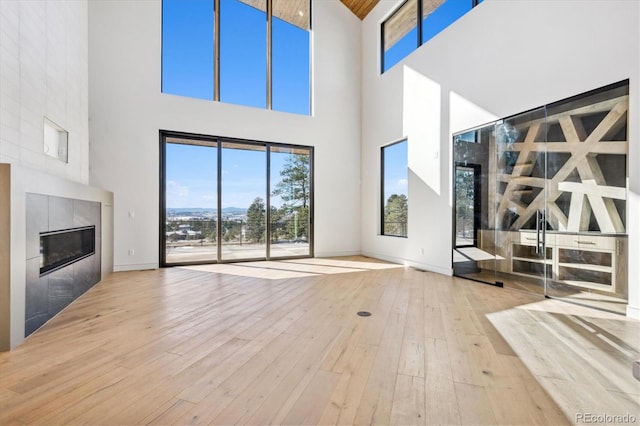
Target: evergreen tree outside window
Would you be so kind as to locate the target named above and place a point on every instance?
(395, 199)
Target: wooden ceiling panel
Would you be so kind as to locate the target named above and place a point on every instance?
(295, 12)
(360, 8)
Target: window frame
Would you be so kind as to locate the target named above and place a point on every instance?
(217, 143)
(268, 48)
(419, 26)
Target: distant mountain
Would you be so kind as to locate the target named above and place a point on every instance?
(184, 210)
(234, 210)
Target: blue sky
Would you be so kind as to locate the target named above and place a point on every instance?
(191, 176)
(395, 170)
(187, 55)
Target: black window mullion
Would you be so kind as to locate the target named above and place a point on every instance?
(269, 47)
(216, 50)
(268, 205)
(419, 21)
(382, 191)
(219, 204)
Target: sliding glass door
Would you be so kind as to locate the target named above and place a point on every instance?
(228, 200)
(243, 195)
(290, 207)
(190, 205)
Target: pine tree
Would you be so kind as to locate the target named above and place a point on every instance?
(256, 221)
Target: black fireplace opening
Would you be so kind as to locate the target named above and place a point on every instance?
(64, 247)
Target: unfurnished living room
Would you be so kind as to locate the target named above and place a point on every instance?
(390, 212)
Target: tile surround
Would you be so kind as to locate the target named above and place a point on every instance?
(47, 295)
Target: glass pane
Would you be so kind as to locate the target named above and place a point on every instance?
(400, 34)
(290, 56)
(522, 222)
(243, 53)
(395, 198)
(475, 250)
(290, 202)
(465, 182)
(587, 200)
(187, 48)
(243, 215)
(438, 15)
(191, 203)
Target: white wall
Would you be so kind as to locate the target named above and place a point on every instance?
(501, 58)
(127, 110)
(44, 64)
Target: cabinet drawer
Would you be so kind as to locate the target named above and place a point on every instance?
(529, 238)
(587, 242)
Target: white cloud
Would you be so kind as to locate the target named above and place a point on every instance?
(175, 190)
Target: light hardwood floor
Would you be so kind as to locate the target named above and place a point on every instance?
(280, 343)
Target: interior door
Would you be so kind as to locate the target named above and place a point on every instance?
(524, 259)
(474, 248)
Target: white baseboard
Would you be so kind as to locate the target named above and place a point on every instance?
(135, 267)
(336, 253)
(633, 312)
(412, 263)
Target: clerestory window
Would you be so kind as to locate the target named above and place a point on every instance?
(416, 22)
(247, 52)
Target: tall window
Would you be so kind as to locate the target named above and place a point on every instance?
(247, 52)
(395, 195)
(414, 23)
(226, 200)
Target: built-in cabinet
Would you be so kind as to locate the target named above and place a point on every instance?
(595, 262)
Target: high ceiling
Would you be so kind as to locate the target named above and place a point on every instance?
(360, 8)
(297, 11)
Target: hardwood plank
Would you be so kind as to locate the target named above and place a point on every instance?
(474, 405)
(344, 401)
(309, 407)
(408, 401)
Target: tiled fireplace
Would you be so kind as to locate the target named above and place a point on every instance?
(63, 252)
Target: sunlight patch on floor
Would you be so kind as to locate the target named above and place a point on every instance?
(296, 268)
(582, 357)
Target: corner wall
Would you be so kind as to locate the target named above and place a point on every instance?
(127, 109)
(499, 59)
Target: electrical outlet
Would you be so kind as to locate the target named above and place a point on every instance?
(132, 252)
